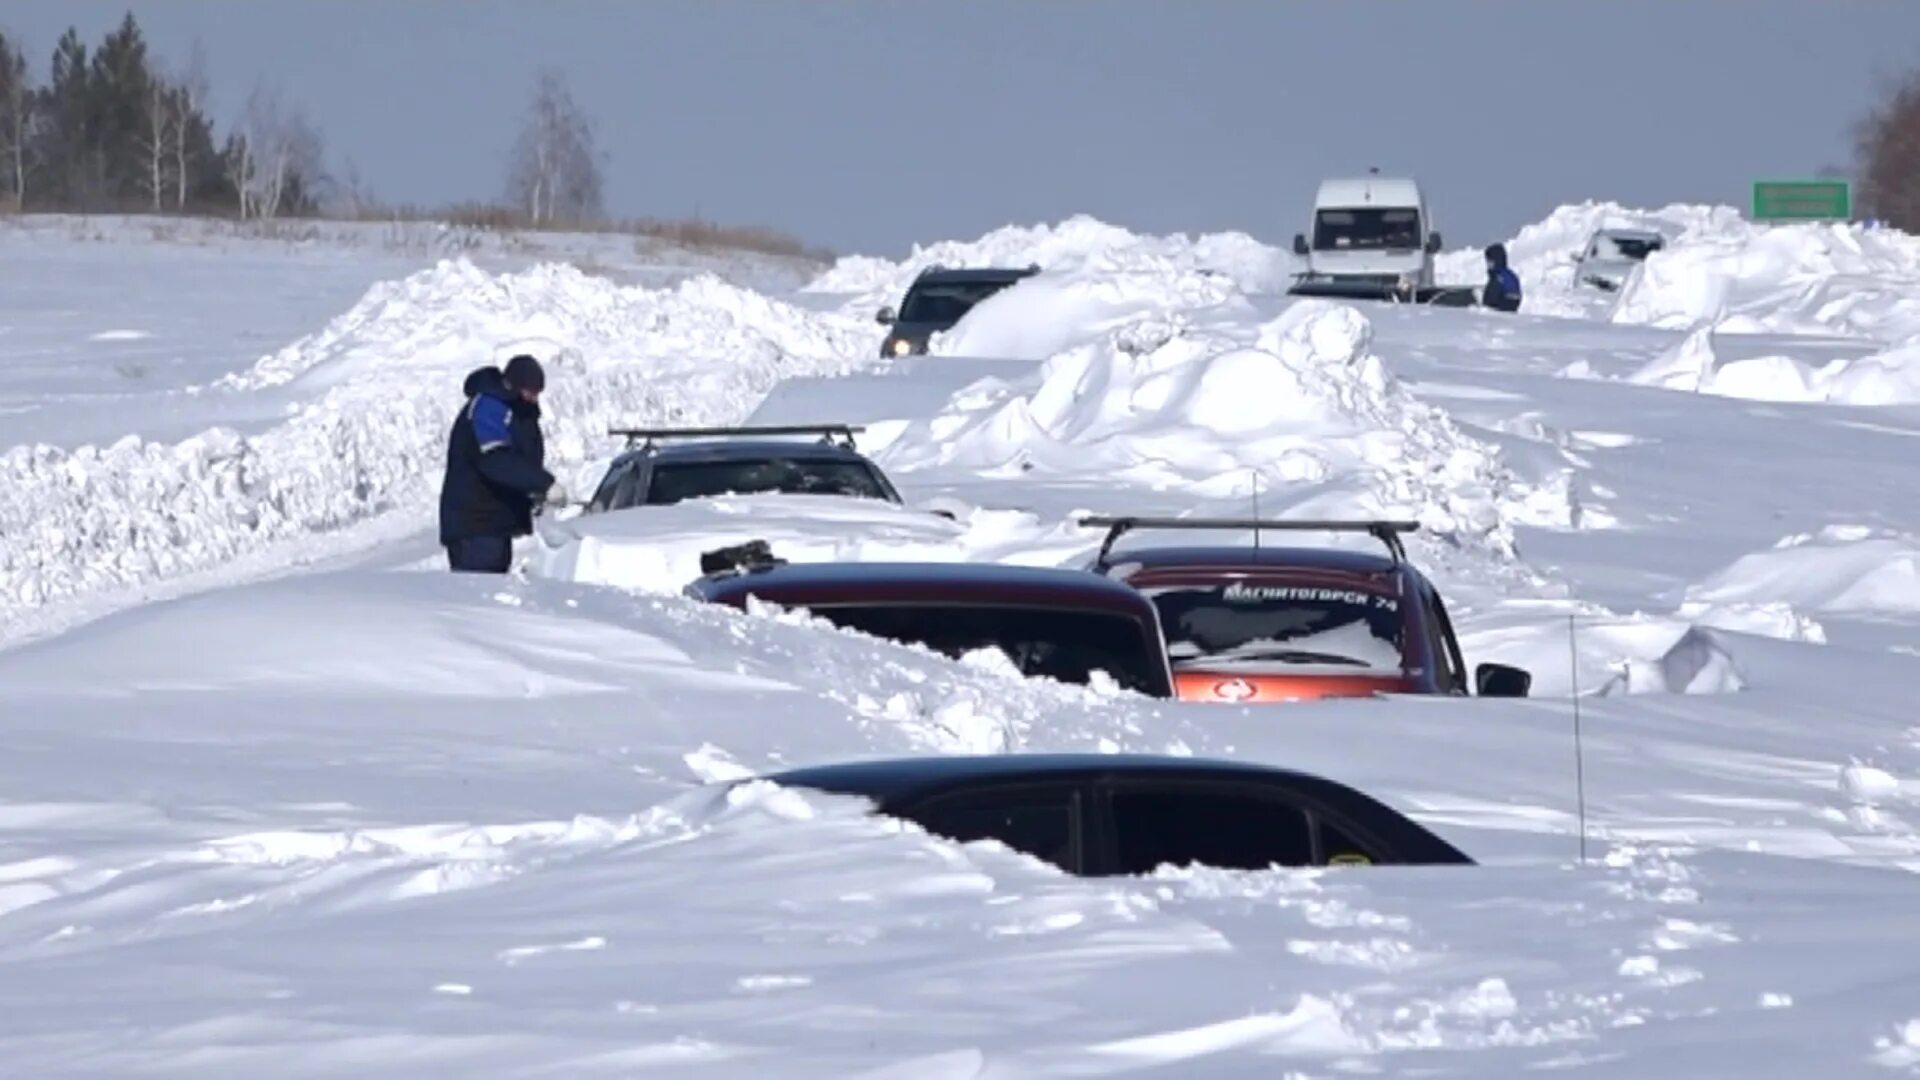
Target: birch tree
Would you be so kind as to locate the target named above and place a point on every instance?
(274, 157)
(554, 172)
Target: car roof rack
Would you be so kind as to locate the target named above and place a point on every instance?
(1387, 532)
(830, 434)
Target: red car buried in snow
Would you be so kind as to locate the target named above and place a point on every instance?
(1262, 624)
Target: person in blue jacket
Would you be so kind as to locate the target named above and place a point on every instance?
(496, 467)
(1503, 285)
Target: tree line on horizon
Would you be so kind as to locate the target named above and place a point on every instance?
(115, 130)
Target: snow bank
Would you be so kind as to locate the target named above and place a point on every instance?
(1306, 405)
(1841, 280)
(1080, 243)
(658, 549)
(385, 378)
(1053, 312)
(1693, 366)
(1842, 569)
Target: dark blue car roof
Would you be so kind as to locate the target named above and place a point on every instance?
(977, 273)
(958, 575)
(894, 778)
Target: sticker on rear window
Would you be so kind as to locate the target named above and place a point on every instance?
(1241, 593)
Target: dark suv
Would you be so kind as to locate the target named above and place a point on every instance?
(936, 300)
(1259, 624)
(1061, 624)
(737, 461)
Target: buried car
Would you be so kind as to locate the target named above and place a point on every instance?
(1066, 625)
(937, 300)
(1611, 255)
(1261, 624)
(737, 461)
(1110, 814)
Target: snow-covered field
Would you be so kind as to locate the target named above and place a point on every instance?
(294, 801)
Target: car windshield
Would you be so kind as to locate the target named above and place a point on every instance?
(790, 476)
(1059, 644)
(1393, 228)
(1240, 623)
(944, 302)
(1625, 247)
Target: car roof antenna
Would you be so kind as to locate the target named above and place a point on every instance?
(1579, 758)
(1256, 508)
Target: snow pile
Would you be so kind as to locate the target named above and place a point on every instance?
(1051, 313)
(658, 548)
(1080, 243)
(1842, 569)
(387, 379)
(1693, 366)
(1844, 280)
(1543, 253)
(1308, 407)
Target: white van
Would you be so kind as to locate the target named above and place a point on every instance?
(1373, 231)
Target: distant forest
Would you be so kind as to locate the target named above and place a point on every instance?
(115, 130)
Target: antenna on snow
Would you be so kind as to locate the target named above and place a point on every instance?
(1579, 756)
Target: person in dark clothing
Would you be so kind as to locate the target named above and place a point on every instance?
(1503, 285)
(496, 468)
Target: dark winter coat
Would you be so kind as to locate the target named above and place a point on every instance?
(1503, 285)
(496, 463)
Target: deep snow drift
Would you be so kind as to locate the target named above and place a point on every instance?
(370, 819)
(378, 387)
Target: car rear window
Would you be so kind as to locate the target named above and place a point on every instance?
(1257, 625)
(1059, 644)
(673, 483)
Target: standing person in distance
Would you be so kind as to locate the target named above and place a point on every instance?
(496, 467)
(1503, 285)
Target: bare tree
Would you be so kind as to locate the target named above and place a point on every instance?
(555, 168)
(192, 90)
(1887, 151)
(160, 124)
(275, 154)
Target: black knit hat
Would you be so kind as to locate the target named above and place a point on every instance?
(525, 373)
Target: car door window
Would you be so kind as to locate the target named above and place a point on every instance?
(1339, 847)
(604, 495)
(1234, 828)
(1446, 645)
(629, 492)
(1042, 822)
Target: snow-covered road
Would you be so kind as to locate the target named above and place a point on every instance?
(328, 811)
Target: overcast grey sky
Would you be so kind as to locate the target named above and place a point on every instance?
(870, 125)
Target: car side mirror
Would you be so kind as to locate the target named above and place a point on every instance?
(885, 316)
(1500, 680)
(1433, 243)
(1300, 244)
(948, 514)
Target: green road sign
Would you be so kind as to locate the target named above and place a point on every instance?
(1802, 200)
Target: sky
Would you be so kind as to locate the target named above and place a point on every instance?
(870, 125)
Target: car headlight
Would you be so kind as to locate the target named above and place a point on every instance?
(900, 346)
